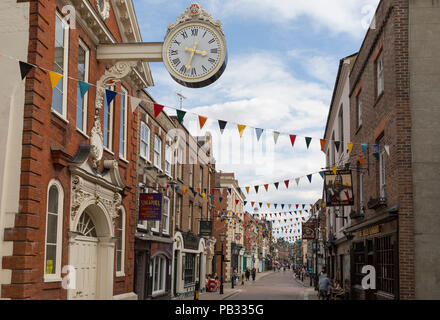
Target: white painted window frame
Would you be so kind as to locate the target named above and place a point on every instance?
(380, 75)
(156, 223)
(157, 153)
(59, 245)
(83, 45)
(161, 273)
(110, 125)
(168, 160)
(166, 216)
(124, 104)
(121, 272)
(145, 127)
(382, 173)
(65, 67)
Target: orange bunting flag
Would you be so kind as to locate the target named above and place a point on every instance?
(268, 205)
(54, 78)
(202, 121)
(241, 128)
(185, 190)
(252, 203)
(247, 190)
(362, 161)
(322, 144)
(350, 146)
(335, 170)
(198, 190)
(266, 186)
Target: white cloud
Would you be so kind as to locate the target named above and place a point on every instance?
(338, 16)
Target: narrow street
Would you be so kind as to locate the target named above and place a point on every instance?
(274, 286)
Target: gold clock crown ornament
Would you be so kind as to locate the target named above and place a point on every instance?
(194, 50)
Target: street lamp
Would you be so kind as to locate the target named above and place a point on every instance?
(222, 239)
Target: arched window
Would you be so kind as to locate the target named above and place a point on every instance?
(120, 243)
(54, 228)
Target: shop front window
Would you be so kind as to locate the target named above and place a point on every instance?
(189, 269)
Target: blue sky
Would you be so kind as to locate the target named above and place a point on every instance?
(283, 59)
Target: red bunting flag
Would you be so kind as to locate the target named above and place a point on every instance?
(266, 186)
(292, 139)
(237, 201)
(287, 183)
(157, 109)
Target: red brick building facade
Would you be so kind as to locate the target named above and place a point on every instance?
(77, 197)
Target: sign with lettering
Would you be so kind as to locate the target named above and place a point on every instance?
(150, 206)
(308, 230)
(190, 241)
(205, 228)
(369, 231)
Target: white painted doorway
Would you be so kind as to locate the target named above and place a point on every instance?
(84, 258)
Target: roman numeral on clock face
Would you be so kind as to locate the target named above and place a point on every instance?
(182, 69)
(174, 52)
(211, 41)
(194, 32)
(193, 72)
(184, 35)
(177, 42)
(204, 69)
(214, 50)
(211, 60)
(176, 61)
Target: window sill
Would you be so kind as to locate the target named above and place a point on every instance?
(123, 160)
(52, 279)
(158, 293)
(109, 151)
(120, 274)
(144, 158)
(60, 116)
(83, 133)
(158, 168)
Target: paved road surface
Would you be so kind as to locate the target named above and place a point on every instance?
(274, 286)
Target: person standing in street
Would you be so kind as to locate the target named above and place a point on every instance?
(247, 274)
(253, 273)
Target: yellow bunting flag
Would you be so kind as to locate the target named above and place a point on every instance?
(203, 195)
(202, 121)
(268, 205)
(350, 146)
(241, 128)
(335, 170)
(247, 190)
(54, 78)
(185, 190)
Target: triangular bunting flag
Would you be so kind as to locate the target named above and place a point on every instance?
(286, 182)
(268, 205)
(259, 133)
(222, 125)
(309, 176)
(247, 189)
(83, 87)
(135, 103)
(237, 201)
(241, 128)
(308, 140)
(54, 78)
(276, 185)
(185, 190)
(109, 96)
(266, 186)
(202, 121)
(322, 174)
(260, 203)
(364, 148)
(229, 190)
(350, 147)
(252, 203)
(297, 181)
(376, 147)
(387, 149)
(362, 161)
(256, 188)
(276, 134)
(292, 139)
(180, 115)
(157, 109)
(337, 144)
(24, 69)
(220, 199)
(322, 144)
(335, 170)
(244, 203)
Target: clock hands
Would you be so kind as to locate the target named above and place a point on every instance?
(193, 50)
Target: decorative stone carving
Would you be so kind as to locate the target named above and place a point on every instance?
(103, 8)
(195, 12)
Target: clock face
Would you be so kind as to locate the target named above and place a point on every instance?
(195, 53)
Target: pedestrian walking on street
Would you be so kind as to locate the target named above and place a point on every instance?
(324, 283)
(247, 274)
(253, 274)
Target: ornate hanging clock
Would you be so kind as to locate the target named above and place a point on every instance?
(194, 50)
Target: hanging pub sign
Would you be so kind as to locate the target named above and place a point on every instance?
(338, 188)
(308, 230)
(190, 240)
(150, 206)
(205, 228)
